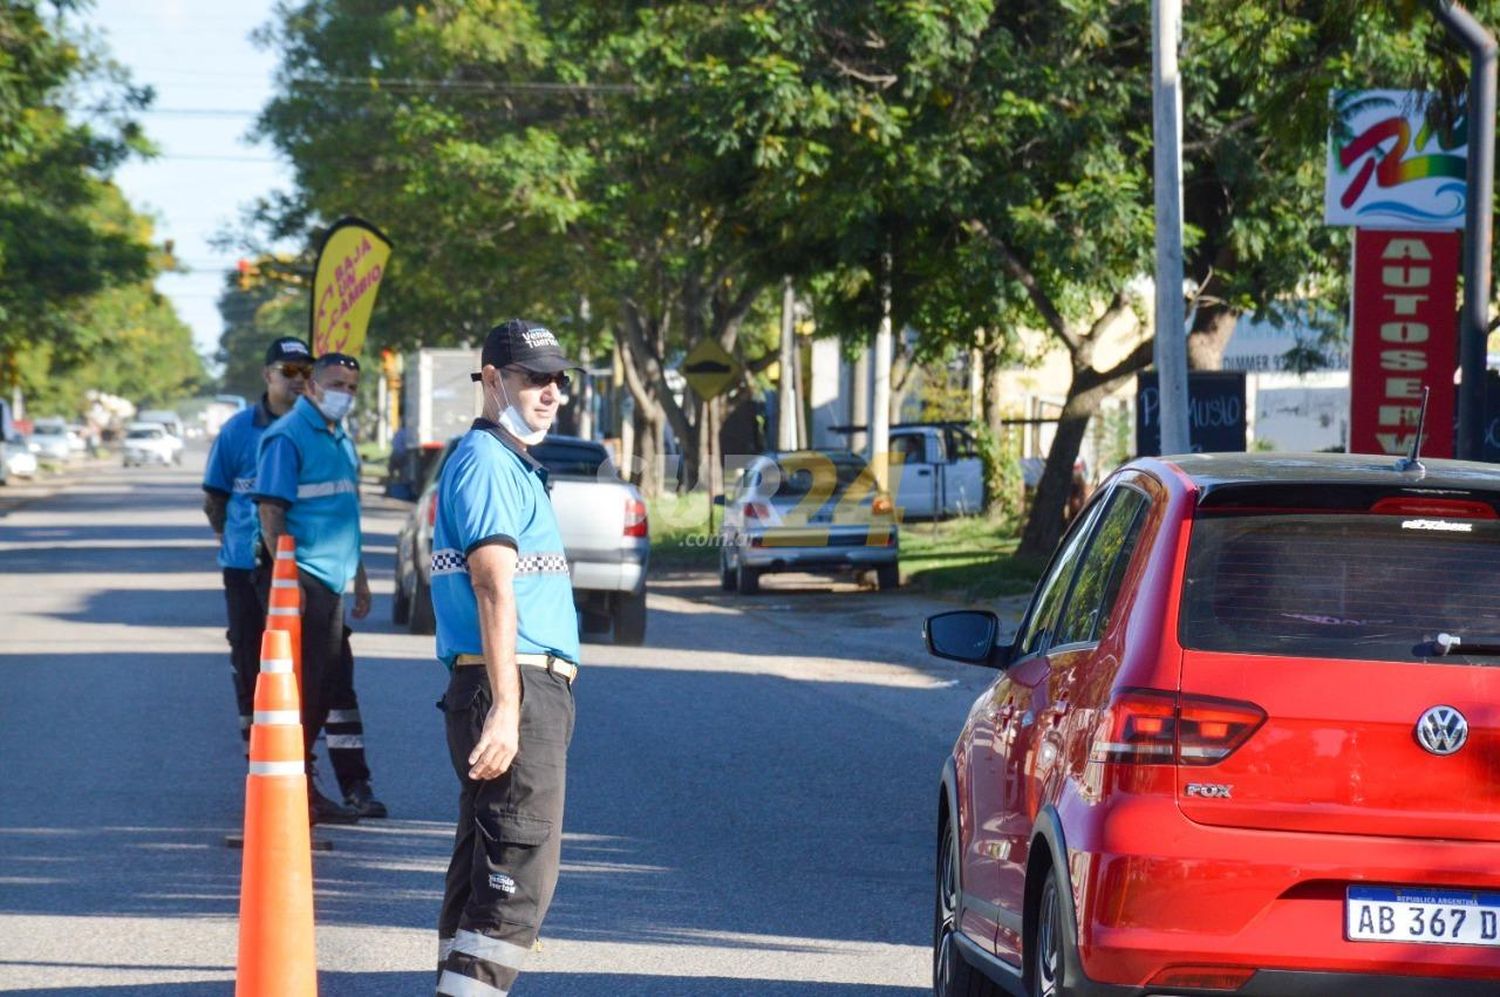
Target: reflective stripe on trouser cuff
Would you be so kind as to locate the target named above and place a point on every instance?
(343, 716)
(244, 722)
(445, 945)
(278, 768)
(457, 985)
(501, 953)
(347, 742)
(278, 717)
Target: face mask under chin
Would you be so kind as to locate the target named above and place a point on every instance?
(513, 422)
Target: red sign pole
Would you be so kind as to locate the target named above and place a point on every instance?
(1405, 338)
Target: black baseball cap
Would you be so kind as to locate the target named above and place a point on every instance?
(518, 343)
(288, 349)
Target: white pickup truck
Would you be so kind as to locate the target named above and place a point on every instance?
(939, 471)
(604, 530)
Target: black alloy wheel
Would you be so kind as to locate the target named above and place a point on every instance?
(1046, 955)
(952, 976)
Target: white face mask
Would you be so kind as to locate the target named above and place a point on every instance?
(513, 422)
(335, 404)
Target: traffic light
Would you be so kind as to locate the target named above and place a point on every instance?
(248, 272)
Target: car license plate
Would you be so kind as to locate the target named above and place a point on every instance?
(1432, 917)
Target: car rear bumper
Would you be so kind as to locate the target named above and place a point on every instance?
(608, 576)
(1264, 900)
(773, 559)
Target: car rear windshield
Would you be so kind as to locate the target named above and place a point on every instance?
(834, 475)
(570, 460)
(144, 434)
(1339, 584)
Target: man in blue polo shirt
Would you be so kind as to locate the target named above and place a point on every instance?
(227, 482)
(307, 485)
(507, 629)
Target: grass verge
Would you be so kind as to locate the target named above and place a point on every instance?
(972, 559)
(681, 539)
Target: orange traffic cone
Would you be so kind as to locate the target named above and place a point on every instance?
(285, 609)
(276, 956)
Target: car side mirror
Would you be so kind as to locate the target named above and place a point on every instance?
(966, 635)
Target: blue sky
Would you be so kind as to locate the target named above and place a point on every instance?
(210, 79)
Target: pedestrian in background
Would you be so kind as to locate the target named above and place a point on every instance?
(228, 481)
(307, 484)
(508, 631)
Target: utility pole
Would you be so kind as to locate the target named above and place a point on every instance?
(786, 395)
(880, 404)
(1166, 122)
(1473, 322)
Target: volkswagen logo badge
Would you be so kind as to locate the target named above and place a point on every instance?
(1442, 730)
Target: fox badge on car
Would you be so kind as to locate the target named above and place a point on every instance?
(1209, 790)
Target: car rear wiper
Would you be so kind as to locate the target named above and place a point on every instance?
(1454, 644)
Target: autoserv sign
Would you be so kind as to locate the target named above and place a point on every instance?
(1390, 166)
(1398, 177)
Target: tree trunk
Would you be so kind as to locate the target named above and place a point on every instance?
(1213, 325)
(1045, 524)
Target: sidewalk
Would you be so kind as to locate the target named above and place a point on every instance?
(21, 492)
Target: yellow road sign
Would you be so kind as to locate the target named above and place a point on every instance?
(710, 369)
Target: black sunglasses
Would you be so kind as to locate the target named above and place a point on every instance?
(537, 380)
(336, 360)
(294, 370)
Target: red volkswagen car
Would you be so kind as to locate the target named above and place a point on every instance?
(1245, 741)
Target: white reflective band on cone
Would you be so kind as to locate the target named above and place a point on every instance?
(286, 555)
(343, 716)
(278, 717)
(276, 665)
(457, 985)
(346, 741)
(283, 583)
(501, 953)
(283, 611)
(278, 768)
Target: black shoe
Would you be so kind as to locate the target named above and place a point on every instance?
(322, 810)
(361, 799)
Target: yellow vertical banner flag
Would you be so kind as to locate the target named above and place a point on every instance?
(351, 264)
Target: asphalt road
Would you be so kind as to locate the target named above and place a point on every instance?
(750, 806)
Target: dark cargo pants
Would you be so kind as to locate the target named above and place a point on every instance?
(509, 838)
(247, 620)
(329, 703)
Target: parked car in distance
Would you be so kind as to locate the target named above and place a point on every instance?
(807, 510)
(167, 418)
(1244, 741)
(937, 471)
(604, 528)
(52, 440)
(16, 460)
(150, 443)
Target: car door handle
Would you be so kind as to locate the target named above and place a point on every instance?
(924, 472)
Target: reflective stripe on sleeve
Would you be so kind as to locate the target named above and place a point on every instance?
(278, 717)
(457, 985)
(277, 768)
(495, 950)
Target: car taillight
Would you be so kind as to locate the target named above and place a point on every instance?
(635, 518)
(1446, 508)
(754, 510)
(882, 505)
(1152, 727)
(432, 510)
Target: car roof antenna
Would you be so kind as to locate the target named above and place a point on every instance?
(1413, 459)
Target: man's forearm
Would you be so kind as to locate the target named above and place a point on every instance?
(216, 508)
(272, 523)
